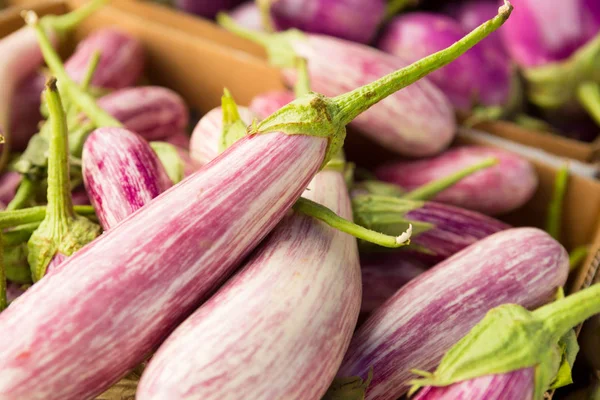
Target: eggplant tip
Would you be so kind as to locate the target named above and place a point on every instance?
(405, 237)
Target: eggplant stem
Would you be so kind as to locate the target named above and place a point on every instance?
(66, 22)
(577, 255)
(324, 214)
(302, 86)
(262, 38)
(9, 219)
(84, 100)
(23, 195)
(431, 189)
(564, 314)
(395, 6)
(91, 70)
(266, 18)
(354, 103)
(554, 218)
(19, 234)
(588, 94)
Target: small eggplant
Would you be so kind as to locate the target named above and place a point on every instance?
(267, 103)
(492, 191)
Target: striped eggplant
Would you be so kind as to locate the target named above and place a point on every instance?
(267, 103)
(204, 145)
(13, 291)
(356, 20)
(415, 327)
(492, 191)
(417, 121)
(482, 76)
(163, 260)
(153, 112)
(121, 59)
(25, 110)
(248, 15)
(121, 174)
(383, 274)
(440, 230)
(299, 294)
(181, 140)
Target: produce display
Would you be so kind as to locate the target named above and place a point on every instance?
(149, 254)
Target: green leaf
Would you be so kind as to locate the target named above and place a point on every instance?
(569, 349)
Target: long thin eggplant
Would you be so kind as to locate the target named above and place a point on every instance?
(121, 173)
(415, 327)
(492, 191)
(291, 310)
(72, 334)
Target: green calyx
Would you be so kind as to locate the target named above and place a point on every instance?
(62, 230)
(387, 214)
(233, 127)
(556, 85)
(351, 388)
(320, 116)
(170, 159)
(15, 264)
(510, 338)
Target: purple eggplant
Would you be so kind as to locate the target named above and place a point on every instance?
(440, 230)
(472, 13)
(9, 182)
(121, 173)
(25, 110)
(205, 8)
(248, 15)
(204, 142)
(482, 76)
(495, 190)
(416, 327)
(153, 112)
(548, 31)
(355, 20)
(121, 59)
(383, 274)
(267, 103)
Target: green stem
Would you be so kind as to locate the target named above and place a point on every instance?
(262, 38)
(564, 314)
(66, 22)
(20, 234)
(361, 99)
(577, 256)
(9, 219)
(264, 7)
(302, 86)
(91, 69)
(395, 6)
(327, 216)
(60, 204)
(3, 300)
(554, 218)
(84, 100)
(431, 189)
(588, 94)
(23, 195)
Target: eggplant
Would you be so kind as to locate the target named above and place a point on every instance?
(267, 103)
(25, 110)
(121, 59)
(416, 326)
(248, 15)
(294, 304)
(355, 20)
(492, 191)
(482, 76)
(472, 13)
(205, 8)
(9, 182)
(121, 174)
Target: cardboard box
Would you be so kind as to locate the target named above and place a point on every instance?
(191, 62)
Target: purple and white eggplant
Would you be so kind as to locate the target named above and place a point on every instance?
(472, 13)
(417, 121)
(267, 103)
(153, 112)
(121, 59)
(160, 265)
(426, 317)
(121, 173)
(495, 190)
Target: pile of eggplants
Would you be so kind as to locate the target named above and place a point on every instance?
(246, 257)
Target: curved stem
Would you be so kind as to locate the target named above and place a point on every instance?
(91, 69)
(265, 15)
(322, 213)
(3, 300)
(564, 314)
(10, 219)
(302, 86)
(577, 256)
(65, 22)
(588, 94)
(23, 195)
(262, 38)
(554, 218)
(361, 99)
(82, 99)
(60, 204)
(19, 234)
(431, 189)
